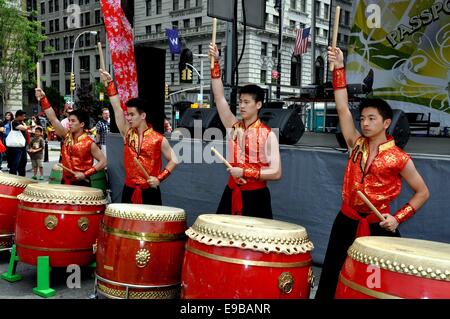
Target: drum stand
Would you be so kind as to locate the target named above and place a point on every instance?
(43, 274)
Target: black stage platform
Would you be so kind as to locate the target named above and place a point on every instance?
(309, 193)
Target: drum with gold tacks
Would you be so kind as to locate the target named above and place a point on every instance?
(59, 221)
(140, 252)
(391, 268)
(10, 187)
(231, 257)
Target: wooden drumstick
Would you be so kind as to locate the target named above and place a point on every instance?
(227, 164)
(214, 29)
(141, 168)
(102, 59)
(38, 75)
(335, 32)
(72, 172)
(373, 208)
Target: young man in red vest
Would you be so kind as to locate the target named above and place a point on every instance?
(375, 167)
(142, 143)
(254, 150)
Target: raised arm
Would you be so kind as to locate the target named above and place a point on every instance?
(348, 128)
(113, 95)
(60, 130)
(226, 116)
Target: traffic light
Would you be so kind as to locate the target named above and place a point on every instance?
(189, 74)
(166, 90)
(72, 82)
(186, 74)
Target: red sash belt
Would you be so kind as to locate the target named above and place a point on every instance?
(136, 198)
(363, 226)
(236, 195)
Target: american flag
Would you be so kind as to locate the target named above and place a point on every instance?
(301, 41)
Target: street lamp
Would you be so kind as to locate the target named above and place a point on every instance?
(200, 75)
(72, 75)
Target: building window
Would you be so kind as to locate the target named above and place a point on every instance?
(54, 66)
(158, 7)
(264, 48)
(84, 63)
(65, 27)
(50, 6)
(325, 33)
(263, 77)
(87, 39)
(347, 18)
(296, 70)
(274, 50)
(87, 18)
(65, 4)
(326, 9)
(172, 58)
(294, 4)
(292, 24)
(198, 22)
(56, 25)
(317, 3)
(67, 65)
(317, 31)
(71, 41)
(97, 62)
(43, 27)
(56, 5)
(51, 26)
(44, 67)
(80, 2)
(97, 17)
(276, 19)
(86, 1)
(97, 37)
(186, 23)
(174, 24)
(302, 25)
(81, 42)
(81, 20)
(51, 42)
(148, 29)
(176, 5)
(55, 84)
(42, 7)
(198, 3)
(187, 4)
(303, 6)
(345, 39)
(57, 44)
(172, 78)
(157, 28)
(319, 66)
(148, 8)
(67, 87)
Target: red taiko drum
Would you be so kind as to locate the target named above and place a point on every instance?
(234, 257)
(59, 221)
(140, 252)
(10, 187)
(393, 268)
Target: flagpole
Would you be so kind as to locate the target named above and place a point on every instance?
(313, 56)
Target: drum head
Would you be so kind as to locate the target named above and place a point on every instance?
(253, 233)
(416, 257)
(62, 194)
(15, 181)
(146, 212)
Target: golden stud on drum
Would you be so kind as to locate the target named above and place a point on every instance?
(10, 187)
(140, 252)
(230, 257)
(59, 221)
(392, 268)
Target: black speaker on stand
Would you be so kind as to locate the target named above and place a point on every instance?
(288, 121)
(209, 118)
(399, 128)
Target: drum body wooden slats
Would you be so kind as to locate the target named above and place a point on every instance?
(238, 257)
(10, 187)
(59, 221)
(140, 251)
(392, 268)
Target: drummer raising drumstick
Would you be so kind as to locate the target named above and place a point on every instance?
(254, 150)
(375, 167)
(143, 148)
(78, 149)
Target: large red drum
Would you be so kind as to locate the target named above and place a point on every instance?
(10, 187)
(59, 221)
(234, 257)
(140, 252)
(392, 268)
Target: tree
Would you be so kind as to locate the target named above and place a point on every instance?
(19, 40)
(89, 99)
(55, 99)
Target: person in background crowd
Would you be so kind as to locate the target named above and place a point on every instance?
(103, 129)
(36, 152)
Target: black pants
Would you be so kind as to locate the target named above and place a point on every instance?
(150, 196)
(342, 237)
(255, 203)
(17, 159)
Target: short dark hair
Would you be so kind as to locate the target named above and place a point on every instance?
(382, 106)
(255, 91)
(38, 128)
(20, 112)
(83, 117)
(138, 103)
